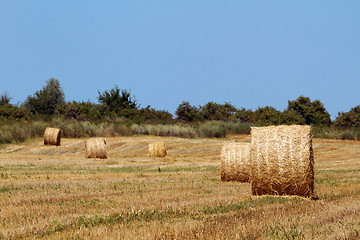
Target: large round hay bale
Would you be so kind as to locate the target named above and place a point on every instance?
(157, 149)
(282, 161)
(52, 136)
(95, 148)
(235, 162)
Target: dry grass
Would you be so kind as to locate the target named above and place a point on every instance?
(56, 193)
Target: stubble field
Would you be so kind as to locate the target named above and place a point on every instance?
(55, 193)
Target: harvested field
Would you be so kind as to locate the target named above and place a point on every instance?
(57, 193)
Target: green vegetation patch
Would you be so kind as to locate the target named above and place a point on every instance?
(261, 201)
(147, 215)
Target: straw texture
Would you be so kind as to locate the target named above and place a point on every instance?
(157, 149)
(235, 162)
(52, 136)
(282, 161)
(95, 148)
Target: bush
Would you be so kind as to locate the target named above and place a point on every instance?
(5, 136)
(80, 111)
(348, 135)
(14, 132)
(349, 119)
(313, 112)
(46, 100)
(334, 132)
(215, 111)
(267, 116)
(116, 100)
(239, 128)
(11, 112)
(164, 130)
(19, 131)
(212, 129)
(187, 113)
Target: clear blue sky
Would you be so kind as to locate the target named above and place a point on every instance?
(249, 53)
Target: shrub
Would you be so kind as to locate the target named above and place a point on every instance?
(187, 113)
(312, 112)
(215, 111)
(349, 119)
(348, 135)
(11, 112)
(212, 129)
(267, 116)
(47, 99)
(116, 99)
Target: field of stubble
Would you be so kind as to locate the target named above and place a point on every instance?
(55, 193)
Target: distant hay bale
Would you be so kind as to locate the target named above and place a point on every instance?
(95, 148)
(282, 161)
(157, 149)
(235, 162)
(52, 136)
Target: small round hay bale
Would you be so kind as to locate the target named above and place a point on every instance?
(157, 149)
(52, 136)
(282, 161)
(95, 148)
(235, 162)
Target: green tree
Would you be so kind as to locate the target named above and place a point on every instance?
(267, 116)
(243, 115)
(349, 119)
(80, 111)
(9, 111)
(5, 99)
(292, 117)
(215, 111)
(116, 100)
(151, 115)
(188, 113)
(47, 99)
(312, 112)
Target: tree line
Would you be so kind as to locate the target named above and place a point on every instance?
(49, 102)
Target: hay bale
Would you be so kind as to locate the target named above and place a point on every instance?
(52, 136)
(235, 162)
(157, 149)
(282, 161)
(95, 148)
